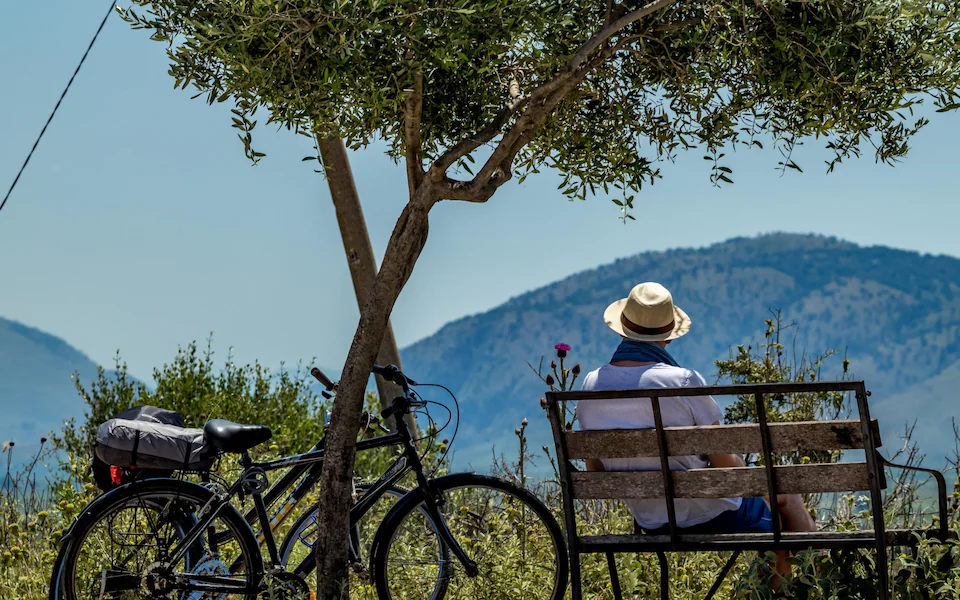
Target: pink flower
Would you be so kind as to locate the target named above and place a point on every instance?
(562, 347)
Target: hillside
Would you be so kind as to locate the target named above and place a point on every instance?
(895, 313)
(36, 389)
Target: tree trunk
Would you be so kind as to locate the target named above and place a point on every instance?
(359, 251)
(406, 242)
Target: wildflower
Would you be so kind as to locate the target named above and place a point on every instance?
(576, 369)
(524, 422)
(42, 515)
(562, 350)
(517, 431)
(43, 440)
(805, 460)
(549, 380)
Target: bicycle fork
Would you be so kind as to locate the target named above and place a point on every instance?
(433, 503)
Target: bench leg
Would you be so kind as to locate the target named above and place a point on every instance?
(664, 576)
(723, 575)
(614, 578)
(576, 586)
(882, 573)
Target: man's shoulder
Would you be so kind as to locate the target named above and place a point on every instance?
(677, 376)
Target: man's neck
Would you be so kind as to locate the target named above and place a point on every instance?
(632, 363)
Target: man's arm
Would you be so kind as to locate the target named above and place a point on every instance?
(723, 461)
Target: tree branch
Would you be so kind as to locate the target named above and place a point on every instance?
(439, 168)
(677, 25)
(412, 115)
(607, 32)
(538, 106)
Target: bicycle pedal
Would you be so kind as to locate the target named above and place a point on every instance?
(360, 571)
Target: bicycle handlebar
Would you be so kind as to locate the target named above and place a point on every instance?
(323, 379)
(402, 404)
(392, 373)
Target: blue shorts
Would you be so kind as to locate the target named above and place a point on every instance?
(753, 516)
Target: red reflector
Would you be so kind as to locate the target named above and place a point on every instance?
(116, 475)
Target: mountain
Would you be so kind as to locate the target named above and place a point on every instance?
(894, 313)
(36, 387)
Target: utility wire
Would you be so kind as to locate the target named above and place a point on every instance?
(113, 4)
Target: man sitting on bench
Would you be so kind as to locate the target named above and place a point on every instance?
(648, 321)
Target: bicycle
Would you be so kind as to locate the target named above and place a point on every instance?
(505, 529)
(302, 478)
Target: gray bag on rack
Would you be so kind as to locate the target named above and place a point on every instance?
(144, 444)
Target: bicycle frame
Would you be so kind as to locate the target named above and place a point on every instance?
(408, 461)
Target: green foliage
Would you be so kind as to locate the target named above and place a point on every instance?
(193, 386)
(707, 73)
(769, 365)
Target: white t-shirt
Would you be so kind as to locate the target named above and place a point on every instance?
(637, 413)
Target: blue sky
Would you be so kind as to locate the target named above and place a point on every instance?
(139, 225)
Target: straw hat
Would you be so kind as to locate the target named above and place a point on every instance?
(647, 315)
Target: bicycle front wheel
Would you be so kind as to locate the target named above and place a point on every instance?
(515, 541)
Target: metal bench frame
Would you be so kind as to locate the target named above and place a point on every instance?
(881, 539)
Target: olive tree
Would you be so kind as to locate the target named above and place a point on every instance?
(468, 94)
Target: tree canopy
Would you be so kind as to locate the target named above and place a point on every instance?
(656, 79)
(470, 93)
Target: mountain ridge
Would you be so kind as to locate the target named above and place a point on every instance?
(895, 313)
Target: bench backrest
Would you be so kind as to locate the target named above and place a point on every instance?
(765, 439)
(809, 436)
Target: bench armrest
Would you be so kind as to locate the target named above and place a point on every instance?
(941, 491)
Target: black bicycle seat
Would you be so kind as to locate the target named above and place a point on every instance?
(235, 437)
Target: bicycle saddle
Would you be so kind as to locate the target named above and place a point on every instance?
(235, 437)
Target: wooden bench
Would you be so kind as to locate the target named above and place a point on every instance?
(764, 439)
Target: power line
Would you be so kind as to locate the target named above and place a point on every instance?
(113, 4)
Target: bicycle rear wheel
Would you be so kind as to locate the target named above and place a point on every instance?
(515, 541)
(296, 551)
(121, 548)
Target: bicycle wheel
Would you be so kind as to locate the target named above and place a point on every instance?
(121, 546)
(517, 545)
(296, 551)
(182, 524)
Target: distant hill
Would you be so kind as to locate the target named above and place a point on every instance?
(895, 313)
(36, 389)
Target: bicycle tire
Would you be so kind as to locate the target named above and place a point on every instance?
(305, 521)
(147, 494)
(488, 543)
(55, 592)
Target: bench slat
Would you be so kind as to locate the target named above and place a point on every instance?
(756, 541)
(804, 436)
(720, 483)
